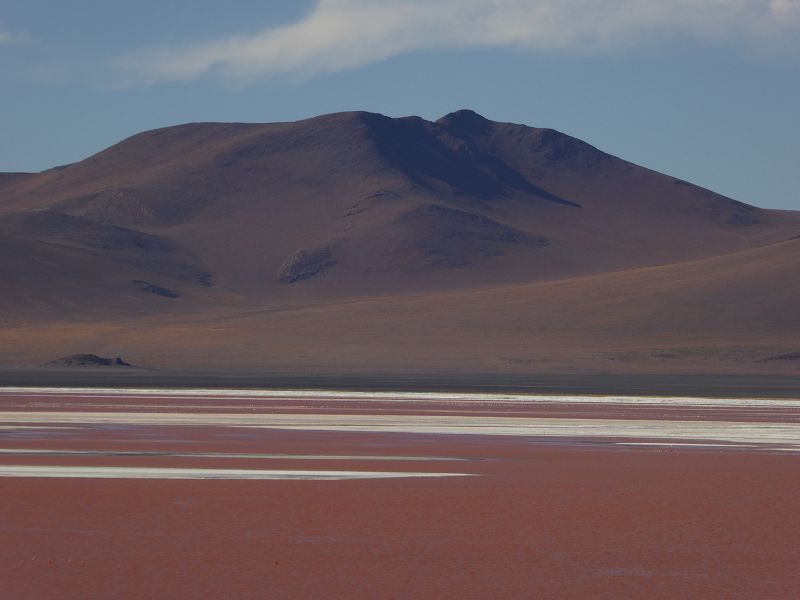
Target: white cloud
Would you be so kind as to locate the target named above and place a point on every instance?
(345, 34)
(785, 5)
(7, 37)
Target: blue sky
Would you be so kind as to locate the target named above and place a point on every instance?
(706, 90)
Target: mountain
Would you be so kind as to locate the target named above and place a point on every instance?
(490, 234)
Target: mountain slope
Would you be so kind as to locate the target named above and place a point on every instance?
(213, 222)
(730, 314)
(386, 205)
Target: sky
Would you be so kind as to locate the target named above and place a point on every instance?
(704, 90)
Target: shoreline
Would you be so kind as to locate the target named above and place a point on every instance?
(731, 386)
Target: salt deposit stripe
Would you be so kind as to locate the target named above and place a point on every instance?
(720, 431)
(145, 453)
(686, 445)
(475, 398)
(59, 472)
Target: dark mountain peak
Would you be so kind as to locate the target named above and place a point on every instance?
(465, 121)
(463, 115)
(347, 117)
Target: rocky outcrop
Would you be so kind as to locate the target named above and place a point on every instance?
(87, 360)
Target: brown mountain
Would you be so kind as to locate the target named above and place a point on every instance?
(356, 241)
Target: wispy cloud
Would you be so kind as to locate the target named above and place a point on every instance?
(338, 35)
(8, 37)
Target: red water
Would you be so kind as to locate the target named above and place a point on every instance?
(539, 521)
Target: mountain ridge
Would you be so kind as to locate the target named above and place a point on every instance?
(225, 217)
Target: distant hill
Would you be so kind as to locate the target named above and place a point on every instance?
(188, 232)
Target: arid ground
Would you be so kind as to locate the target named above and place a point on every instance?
(128, 495)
